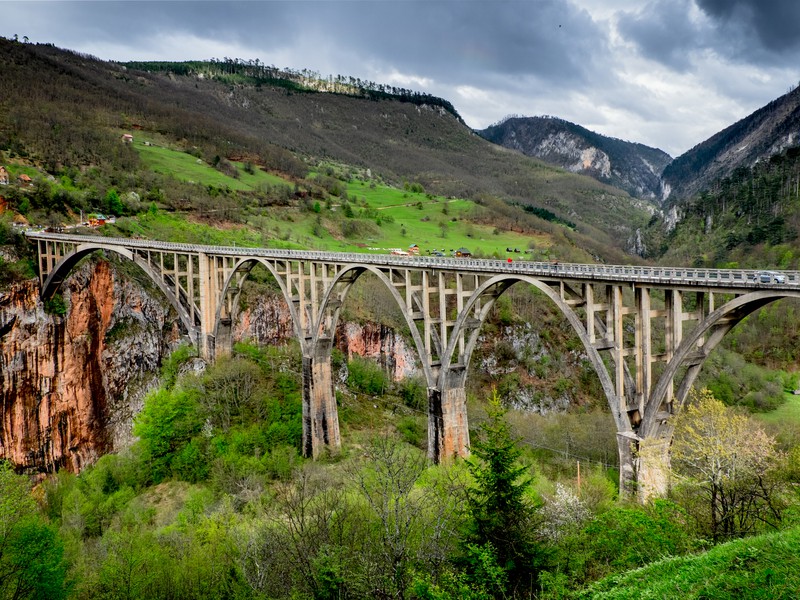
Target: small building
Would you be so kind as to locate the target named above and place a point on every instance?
(127, 138)
(25, 179)
(3, 176)
(463, 253)
(413, 249)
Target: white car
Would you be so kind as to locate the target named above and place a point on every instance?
(769, 277)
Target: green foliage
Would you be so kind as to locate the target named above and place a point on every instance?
(112, 204)
(31, 551)
(548, 215)
(729, 466)
(173, 363)
(762, 568)
(624, 538)
(56, 305)
(414, 431)
(238, 420)
(734, 381)
(167, 423)
(414, 392)
(366, 376)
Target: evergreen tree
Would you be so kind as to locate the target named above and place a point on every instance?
(501, 515)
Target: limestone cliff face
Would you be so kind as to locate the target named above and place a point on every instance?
(381, 343)
(70, 385)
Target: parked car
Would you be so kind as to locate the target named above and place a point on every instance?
(769, 277)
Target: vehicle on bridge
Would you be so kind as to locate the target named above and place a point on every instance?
(769, 277)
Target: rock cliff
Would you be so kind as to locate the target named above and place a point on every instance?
(70, 385)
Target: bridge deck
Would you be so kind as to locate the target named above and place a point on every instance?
(722, 280)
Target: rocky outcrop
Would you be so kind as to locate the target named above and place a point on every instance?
(381, 343)
(757, 137)
(629, 166)
(70, 385)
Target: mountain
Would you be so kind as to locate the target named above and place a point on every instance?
(766, 132)
(65, 112)
(632, 167)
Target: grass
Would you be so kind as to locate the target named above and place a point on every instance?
(188, 168)
(391, 217)
(431, 222)
(767, 566)
(787, 412)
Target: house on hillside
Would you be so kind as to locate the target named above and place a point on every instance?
(3, 176)
(463, 253)
(127, 138)
(24, 179)
(413, 249)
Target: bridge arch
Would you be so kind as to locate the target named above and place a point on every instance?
(716, 325)
(59, 273)
(486, 295)
(337, 292)
(228, 301)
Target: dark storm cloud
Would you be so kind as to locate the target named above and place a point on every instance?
(141, 25)
(772, 24)
(662, 31)
(445, 40)
(760, 32)
(547, 39)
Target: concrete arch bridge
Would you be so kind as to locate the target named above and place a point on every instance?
(646, 330)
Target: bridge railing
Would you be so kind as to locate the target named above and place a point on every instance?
(633, 273)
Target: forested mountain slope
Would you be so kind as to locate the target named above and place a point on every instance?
(766, 132)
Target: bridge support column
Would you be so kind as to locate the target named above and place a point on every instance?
(448, 429)
(643, 466)
(320, 416)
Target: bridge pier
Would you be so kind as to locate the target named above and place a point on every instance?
(320, 415)
(448, 430)
(643, 466)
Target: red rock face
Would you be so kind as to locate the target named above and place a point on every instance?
(378, 342)
(63, 383)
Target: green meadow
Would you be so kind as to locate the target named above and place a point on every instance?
(381, 217)
(788, 412)
(189, 168)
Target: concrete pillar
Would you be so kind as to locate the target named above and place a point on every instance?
(643, 466)
(448, 430)
(628, 446)
(320, 416)
(653, 469)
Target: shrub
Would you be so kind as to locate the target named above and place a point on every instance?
(366, 376)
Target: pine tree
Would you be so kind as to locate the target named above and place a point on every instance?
(501, 515)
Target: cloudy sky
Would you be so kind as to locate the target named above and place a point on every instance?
(666, 73)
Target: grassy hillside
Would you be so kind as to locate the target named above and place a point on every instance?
(765, 567)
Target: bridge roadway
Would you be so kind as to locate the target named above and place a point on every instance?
(646, 329)
(735, 279)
